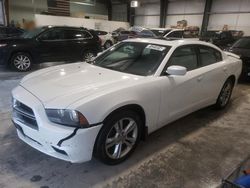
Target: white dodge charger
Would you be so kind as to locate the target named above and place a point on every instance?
(104, 107)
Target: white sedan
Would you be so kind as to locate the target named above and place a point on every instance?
(103, 108)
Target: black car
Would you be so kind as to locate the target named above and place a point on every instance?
(49, 44)
(242, 48)
(6, 32)
(221, 39)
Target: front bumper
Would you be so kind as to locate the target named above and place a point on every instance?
(66, 143)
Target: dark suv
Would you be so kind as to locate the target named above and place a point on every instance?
(242, 48)
(49, 44)
(221, 39)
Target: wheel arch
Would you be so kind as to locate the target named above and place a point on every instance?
(233, 78)
(135, 108)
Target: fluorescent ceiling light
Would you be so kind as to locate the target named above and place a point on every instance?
(89, 3)
(134, 4)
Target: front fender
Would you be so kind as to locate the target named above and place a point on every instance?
(97, 108)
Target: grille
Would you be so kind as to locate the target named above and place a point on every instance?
(24, 114)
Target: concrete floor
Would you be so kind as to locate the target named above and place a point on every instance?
(195, 151)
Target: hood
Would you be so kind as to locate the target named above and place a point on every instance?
(13, 39)
(69, 83)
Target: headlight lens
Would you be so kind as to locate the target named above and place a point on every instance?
(67, 117)
(3, 45)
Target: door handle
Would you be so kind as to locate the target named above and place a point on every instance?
(199, 78)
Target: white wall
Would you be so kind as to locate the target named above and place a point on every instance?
(234, 21)
(43, 20)
(153, 8)
(183, 7)
(27, 9)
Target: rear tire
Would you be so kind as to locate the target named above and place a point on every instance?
(21, 62)
(225, 94)
(88, 55)
(118, 137)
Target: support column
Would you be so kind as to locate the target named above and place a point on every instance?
(163, 12)
(109, 10)
(206, 15)
(132, 16)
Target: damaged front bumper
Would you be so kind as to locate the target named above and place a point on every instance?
(67, 143)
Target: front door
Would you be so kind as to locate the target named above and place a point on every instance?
(180, 94)
(51, 46)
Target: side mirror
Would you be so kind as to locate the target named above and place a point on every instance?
(176, 70)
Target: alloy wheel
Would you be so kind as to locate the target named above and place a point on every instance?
(107, 45)
(121, 138)
(226, 93)
(88, 56)
(22, 62)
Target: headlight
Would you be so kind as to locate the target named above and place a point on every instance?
(67, 117)
(3, 45)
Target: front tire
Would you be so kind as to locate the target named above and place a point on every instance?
(225, 94)
(119, 137)
(21, 62)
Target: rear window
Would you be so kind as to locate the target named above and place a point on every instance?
(101, 32)
(209, 55)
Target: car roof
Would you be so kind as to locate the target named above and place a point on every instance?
(177, 42)
(68, 27)
(161, 29)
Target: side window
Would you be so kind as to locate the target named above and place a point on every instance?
(55, 34)
(72, 34)
(86, 34)
(184, 56)
(175, 34)
(125, 32)
(76, 34)
(209, 56)
(103, 33)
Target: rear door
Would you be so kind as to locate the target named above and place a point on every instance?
(77, 42)
(214, 72)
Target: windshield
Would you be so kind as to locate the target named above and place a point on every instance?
(242, 43)
(33, 33)
(133, 57)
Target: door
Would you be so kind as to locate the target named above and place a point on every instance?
(51, 45)
(214, 71)
(180, 94)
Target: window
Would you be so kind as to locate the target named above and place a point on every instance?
(209, 55)
(55, 34)
(76, 34)
(125, 32)
(102, 33)
(184, 56)
(175, 34)
(134, 58)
